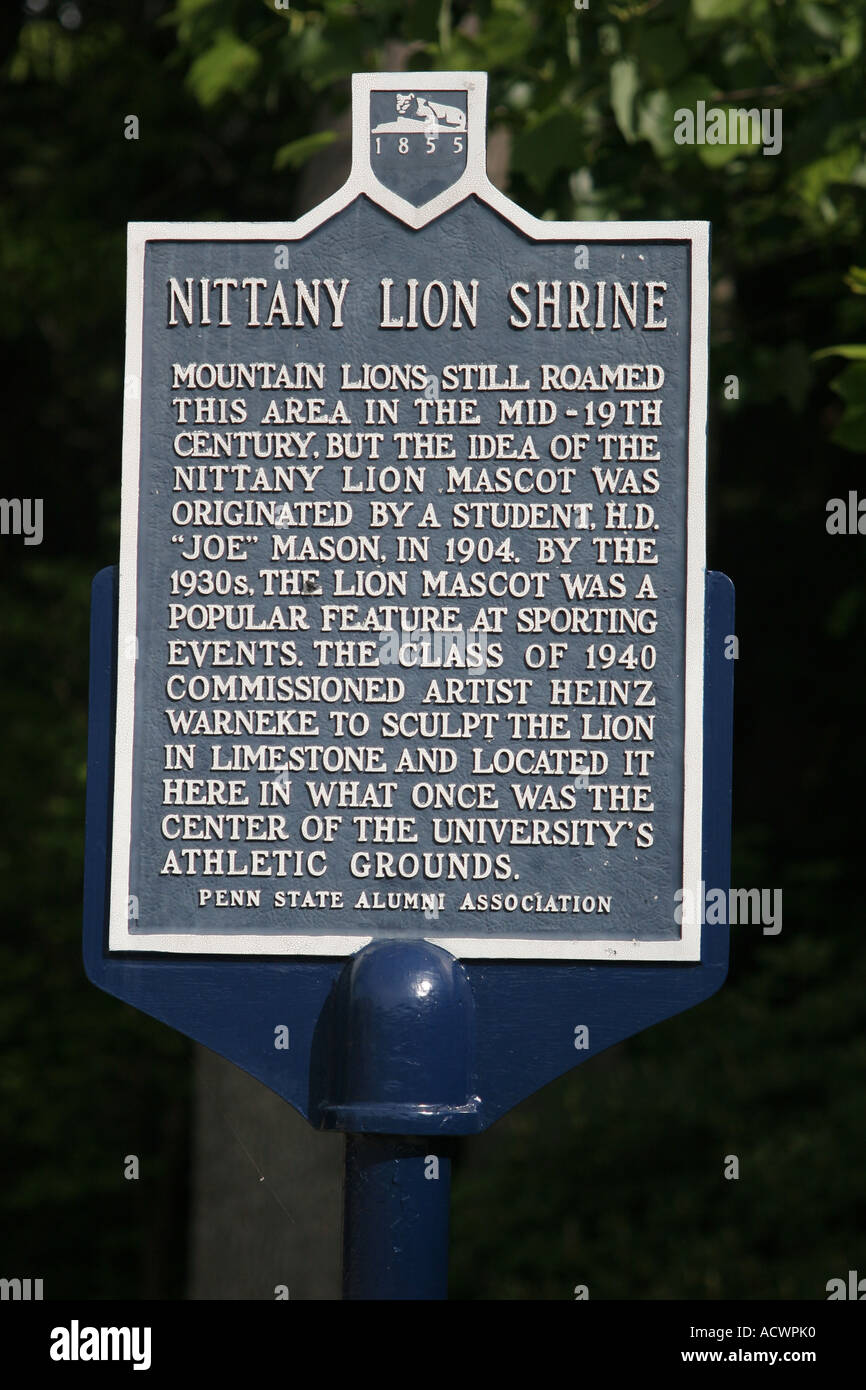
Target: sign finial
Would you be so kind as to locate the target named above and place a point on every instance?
(419, 135)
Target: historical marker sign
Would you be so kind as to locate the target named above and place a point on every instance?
(410, 712)
(411, 618)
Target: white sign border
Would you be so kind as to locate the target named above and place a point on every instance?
(473, 181)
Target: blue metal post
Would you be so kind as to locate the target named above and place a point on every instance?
(398, 1048)
(395, 1218)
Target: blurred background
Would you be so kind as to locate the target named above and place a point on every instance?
(615, 1176)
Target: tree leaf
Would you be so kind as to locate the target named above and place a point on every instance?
(712, 11)
(855, 352)
(814, 179)
(229, 65)
(555, 142)
(850, 432)
(297, 152)
(624, 83)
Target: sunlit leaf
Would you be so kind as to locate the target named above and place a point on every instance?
(229, 65)
(297, 152)
(624, 84)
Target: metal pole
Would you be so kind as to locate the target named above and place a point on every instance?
(395, 1218)
(393, 1064)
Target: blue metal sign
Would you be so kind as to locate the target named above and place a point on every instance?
(409, 759)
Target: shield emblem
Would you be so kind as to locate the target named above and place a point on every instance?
(418, 141)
